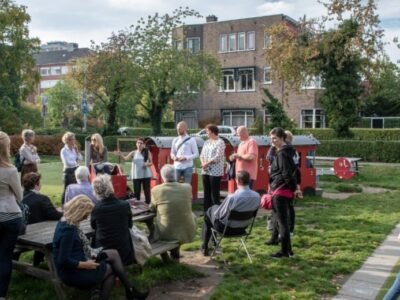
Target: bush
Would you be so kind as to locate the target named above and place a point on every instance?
(360, 134)
(13, 120)
(374, 151)
(46, 144)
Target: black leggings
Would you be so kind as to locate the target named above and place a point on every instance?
(137, 183)
(280, 210)
(211, 187)
(115, 268)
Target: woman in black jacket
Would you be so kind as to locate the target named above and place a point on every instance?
(111, 219)
(283, 183)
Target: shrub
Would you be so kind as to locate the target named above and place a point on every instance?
(46, 144)
(374, 151)
(358, 134)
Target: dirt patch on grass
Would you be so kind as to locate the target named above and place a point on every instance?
(344, 196)
(196, 288)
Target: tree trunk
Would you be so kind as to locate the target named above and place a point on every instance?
(111, 127)
(156, 118)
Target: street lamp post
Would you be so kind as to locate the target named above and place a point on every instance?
(84, 109)
(44, 109)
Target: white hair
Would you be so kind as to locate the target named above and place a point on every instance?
(168, 173)
(27, 135)
(82, 174)
(102, 186)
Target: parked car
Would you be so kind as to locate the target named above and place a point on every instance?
(223, 130)
(123, 130)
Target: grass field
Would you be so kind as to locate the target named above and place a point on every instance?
(331, 241)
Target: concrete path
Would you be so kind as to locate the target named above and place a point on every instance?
(369, 279)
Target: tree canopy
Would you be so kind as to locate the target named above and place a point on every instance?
(342, 55)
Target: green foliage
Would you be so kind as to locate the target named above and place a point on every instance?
(383, 92)
(14, 119)
(358, 134)
(375, 151)
(17, 75)
(278, 115)
(340, 78)
(63, 100)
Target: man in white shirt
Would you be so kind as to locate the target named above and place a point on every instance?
(183, 152)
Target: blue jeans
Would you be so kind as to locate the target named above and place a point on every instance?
(394, 291)
(8, 238)
(185, 173)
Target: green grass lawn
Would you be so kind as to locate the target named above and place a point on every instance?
(331, 241)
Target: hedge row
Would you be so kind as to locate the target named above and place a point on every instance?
(46, 144)
(373, 151)
(360, 134)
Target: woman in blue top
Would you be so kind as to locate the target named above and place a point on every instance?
(74, 262)
(140, 172)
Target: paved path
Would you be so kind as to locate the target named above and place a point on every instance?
(369, 279)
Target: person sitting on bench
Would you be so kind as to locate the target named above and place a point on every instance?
(83, 187)
(243, 200)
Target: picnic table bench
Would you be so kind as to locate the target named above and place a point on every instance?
(39, 237)
(353, 160)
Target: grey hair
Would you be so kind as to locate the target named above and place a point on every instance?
(102, 186)
(82, 174)
(168, 173)
(27, 134)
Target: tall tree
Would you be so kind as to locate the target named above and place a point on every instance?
(106, 74)
(17, 75)
(341, 56)
(278, 115)
(166, 74)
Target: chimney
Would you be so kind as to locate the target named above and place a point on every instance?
(211, 18)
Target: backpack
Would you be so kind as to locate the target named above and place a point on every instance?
(18, 162)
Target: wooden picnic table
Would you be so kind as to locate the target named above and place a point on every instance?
(353, 160)
(39, 237)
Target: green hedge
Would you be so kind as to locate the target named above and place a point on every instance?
(360, 134)
(373, 151)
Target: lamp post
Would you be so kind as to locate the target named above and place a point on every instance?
(84, 109)
(44, 109)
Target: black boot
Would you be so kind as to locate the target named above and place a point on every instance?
(132, 294)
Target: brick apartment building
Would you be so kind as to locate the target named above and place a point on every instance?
(240, 46)
(54, 61)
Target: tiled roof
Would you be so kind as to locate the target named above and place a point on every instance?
(60, 56)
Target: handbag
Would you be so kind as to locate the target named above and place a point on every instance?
(141, 245)
(25, 217)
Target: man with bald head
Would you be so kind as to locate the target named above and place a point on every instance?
(183, 152)
(247, 154)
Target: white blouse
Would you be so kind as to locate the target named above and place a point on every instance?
(213, 151)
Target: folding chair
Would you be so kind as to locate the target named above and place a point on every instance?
(243, 235)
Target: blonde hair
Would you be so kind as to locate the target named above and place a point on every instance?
(77, 209)
(102, 186)
(67, 136)
(100, 143)
(4, 150)
(27, 135)
(289, 136)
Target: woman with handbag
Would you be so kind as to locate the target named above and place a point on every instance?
(283, 184)
(140, 172)
(73, 257)
(10, 212)
(28, 153)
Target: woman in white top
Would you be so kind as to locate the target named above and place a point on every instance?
(140, 171)
(28, 153)
(212, 163)
(70, 157)
(10, 213)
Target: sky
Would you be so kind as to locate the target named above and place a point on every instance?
(84, 20)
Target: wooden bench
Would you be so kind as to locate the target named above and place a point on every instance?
(39, 237)
(353, 161)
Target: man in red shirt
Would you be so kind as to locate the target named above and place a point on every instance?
(247, 155)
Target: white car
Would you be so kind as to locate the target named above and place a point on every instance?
(123, 130)
(223, 130)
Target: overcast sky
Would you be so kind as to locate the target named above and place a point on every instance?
(84, 20)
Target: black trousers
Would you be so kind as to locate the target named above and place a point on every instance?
(137, 184)
(69, 178)
(292, 220)
(280, 211)
(211, 187)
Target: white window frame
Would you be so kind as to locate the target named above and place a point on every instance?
(251, 34)
(232, 47)
(314, 117)
(222, 87)
(241, 89)
(241, 35)
(192, 39)
(267, 70)
(246, 112)
(313, 83)
(223, 41)
(178, 44)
